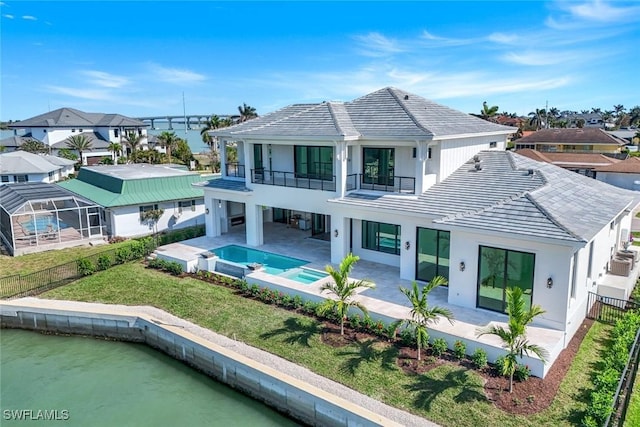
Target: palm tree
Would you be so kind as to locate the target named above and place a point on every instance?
(536, 118)
(246, 112)
(488, 112)
(421, 314)
(634, 114)
(79, 143)
(344, 289)
(133, 140)
(115, 148)
(596, 110)
(33, 146)
(212, 123)
(514, 336)
(169, 140)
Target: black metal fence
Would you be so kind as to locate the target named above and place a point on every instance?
(625, 387)
(608, 309)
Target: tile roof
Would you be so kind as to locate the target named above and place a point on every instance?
(70, 117)
(571, 136)
(23, 163)
(15, 141)
(97, 141)
(386, 113)
(515, 195)
(586, 160)
(631, 165)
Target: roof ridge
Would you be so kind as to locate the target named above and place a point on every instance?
(332, 107)
(406, 110)
(551, 218)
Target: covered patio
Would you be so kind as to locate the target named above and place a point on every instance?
(384, 302)
(39, 216)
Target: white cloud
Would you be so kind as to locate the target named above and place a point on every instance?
(101, 78)
(29, 18)
(598, 10)
(503, 38)
(534, 58)
(84, 93)
(376, 45)
(175, 75)
(6, 15)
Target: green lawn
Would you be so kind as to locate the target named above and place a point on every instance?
(42, 260)
(448, 395)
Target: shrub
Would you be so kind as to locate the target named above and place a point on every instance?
(309, 307)
(407, 337)
(355, 322)
(391, 331)
(104, 262)
(123, 255)
(438, 347)
(479, 358)
(174, 268)
(297, 301)
(254, 290)
(86, 267)
(499, 364)
(522, 372)
(459, 349)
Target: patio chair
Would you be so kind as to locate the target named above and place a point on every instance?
(620, 266)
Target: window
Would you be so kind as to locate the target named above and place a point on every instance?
(186, 204)
(81, 130)
(413, 152)
(381, 237)
(52, 174)
(4, 178)
(115, 133)
(20, 178)
(147, 208)
(429, 153)
(73, 130)
(257, 156)
(493, 144)
(378, 167)
(313, 162)
(500, 269)
(432, 254)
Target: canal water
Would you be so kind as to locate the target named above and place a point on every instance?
(77, 381)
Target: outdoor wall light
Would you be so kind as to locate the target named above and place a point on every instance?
(335, 232)
(407, 245)
(550, 282)
(206, 211)
(462, 266)
(219, 204)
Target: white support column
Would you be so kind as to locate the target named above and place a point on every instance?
(340, 242)
(341, 167)
(213, 218)
(249, 161)
(222, 154)
(254, 224)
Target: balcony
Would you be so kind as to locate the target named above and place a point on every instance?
(292, 179)
(385, 183)
(235, 170)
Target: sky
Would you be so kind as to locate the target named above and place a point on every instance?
(140, 58)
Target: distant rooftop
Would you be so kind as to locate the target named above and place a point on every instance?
(569, 160)
(631, 165)
(572, 136)
(138, 171)
(70, 117)
(23, 162)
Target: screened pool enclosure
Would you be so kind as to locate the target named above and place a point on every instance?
(38, 216)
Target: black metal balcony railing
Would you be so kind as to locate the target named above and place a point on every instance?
(235, 169)
(388, 183)
(392, 184)
(291, 179)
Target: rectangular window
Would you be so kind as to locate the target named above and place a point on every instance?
(413, 152)
(4, 178)
(313, 162)
(257, 157)
(20, 178)
(500, 269)
(429, 153)
(186, 204)
(381, 237)
(378, 166)
(115, 133)
(51, 174)
(493, 144)
(73, 130)
(432, 254)
(147, 208)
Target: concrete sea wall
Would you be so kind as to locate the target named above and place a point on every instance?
(288, 395)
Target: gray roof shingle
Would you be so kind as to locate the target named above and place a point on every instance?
(386, 113)
(515, 195)
(70, 117)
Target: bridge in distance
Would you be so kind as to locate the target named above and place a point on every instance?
(191, 120)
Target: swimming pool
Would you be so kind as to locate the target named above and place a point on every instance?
(272, 263)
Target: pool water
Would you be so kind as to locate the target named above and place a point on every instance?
(272, 263)
(304, 275)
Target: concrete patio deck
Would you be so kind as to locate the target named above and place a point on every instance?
(385, 301)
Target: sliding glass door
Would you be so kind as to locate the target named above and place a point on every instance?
(378, 167)
(500, 269)
(313, 162)
(432, 254)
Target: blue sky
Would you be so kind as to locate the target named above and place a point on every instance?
(138, 58)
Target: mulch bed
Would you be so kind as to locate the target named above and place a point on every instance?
(528, 397)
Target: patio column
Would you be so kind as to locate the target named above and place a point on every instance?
(422, 157)
(340, 237)
(218, 222)
(254, 224)
(341, 167)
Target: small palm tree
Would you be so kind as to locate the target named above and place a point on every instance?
(33, 146)
(344, 289)
(168, 140)
(115, 148)
(421, 314)
(487, 113)
(246, 112)
(212, 123)
(133, 140)
(80, 143)
(514, 336)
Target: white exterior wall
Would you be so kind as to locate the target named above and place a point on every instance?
(629, 181)
(456, 152)
(125, 221)
(550, 261)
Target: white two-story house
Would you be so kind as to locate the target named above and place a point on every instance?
(55, 127)
(399, 180)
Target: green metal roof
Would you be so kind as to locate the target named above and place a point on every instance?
(110, 191)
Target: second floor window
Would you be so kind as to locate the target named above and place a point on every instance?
(313, 162)
(378, 166)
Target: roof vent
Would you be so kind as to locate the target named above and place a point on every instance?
(530, 172)
(478, 166)
(406, 97)
(476, 158)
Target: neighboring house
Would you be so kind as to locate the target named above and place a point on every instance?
(13, 143)
(126, 191)
(582, 163)
(55, 127)
(625, 174)
(587, 140)
(399, 180)
(36, 217)
(21, 166)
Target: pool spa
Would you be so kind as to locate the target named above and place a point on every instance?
(270, 263)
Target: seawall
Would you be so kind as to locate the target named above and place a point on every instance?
(298, 399)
